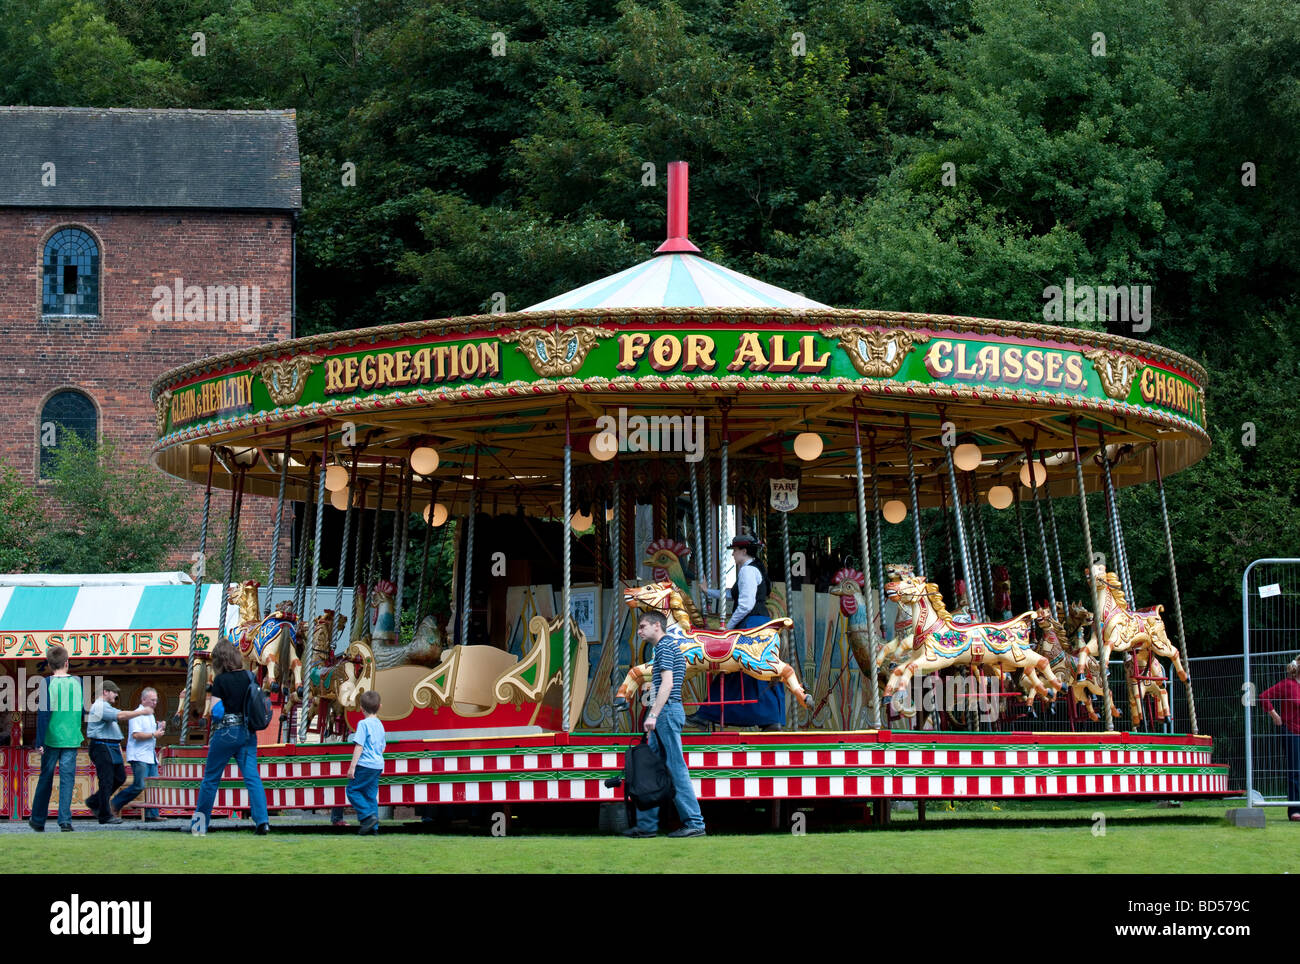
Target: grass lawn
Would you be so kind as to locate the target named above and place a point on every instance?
(1013, 838)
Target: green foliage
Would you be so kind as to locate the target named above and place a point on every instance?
(22, 523)
(110, 514)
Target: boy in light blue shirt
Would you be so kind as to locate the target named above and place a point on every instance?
(367, 765)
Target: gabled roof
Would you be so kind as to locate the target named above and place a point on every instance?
(119, 157)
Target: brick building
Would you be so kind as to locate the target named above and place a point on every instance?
(133, 241)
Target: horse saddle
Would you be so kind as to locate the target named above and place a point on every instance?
(718, 644)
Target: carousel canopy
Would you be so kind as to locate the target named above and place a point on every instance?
(676, 357)
(673, 280)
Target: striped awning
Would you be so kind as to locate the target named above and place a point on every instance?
(677, 281)
(107, 622)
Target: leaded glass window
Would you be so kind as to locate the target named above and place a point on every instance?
(65, 412)
(71, 275)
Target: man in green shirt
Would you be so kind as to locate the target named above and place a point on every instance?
(62, 736)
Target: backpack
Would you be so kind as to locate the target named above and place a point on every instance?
(646, 780)
(257, 707)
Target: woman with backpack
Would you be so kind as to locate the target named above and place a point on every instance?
(230, 737)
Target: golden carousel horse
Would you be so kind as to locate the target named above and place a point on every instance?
(328, 671)
(754, 652)
(938, 642)
(1146, 677)
(1124, 629)
(269, 642)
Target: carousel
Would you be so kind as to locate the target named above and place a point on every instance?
(601, 453)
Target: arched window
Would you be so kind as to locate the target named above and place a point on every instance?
(71, 275)
(64, 412)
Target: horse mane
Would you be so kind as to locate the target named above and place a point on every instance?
(936, 600)
(1116, 591)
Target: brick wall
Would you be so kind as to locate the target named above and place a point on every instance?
(115, 358)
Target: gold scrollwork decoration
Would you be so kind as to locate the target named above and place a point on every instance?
(285, 380)
(1115, 369)
(876, 353)
(554, 353)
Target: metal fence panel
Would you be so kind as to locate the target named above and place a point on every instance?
(1270, 590)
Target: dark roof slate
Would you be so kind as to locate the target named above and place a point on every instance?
(126, 157)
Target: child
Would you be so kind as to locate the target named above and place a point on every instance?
(367, 765)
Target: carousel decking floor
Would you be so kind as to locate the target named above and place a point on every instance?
(791, 765)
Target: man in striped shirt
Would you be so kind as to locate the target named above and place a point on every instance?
(664, 725)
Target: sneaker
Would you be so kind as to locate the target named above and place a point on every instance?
(689, 832)
(155, 819)
(369, 825)
(262, 829)
(36, 828)
(198, 826)
(66, 827)
(636, 832)
(111, 821)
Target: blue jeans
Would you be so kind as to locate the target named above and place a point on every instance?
(363, 792)
(66, 758)
(140, 774)
(226, 743)
(668, 733)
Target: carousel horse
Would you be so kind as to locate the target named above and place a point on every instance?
(938, 642)
(1142, 663)
(754, 651)
(326, 675)
(1124, 629)
(269, 642)
(1085, 676)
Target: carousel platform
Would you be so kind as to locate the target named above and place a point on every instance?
(809, 766)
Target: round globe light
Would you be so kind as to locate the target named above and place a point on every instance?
(1039, 475)
(1000, 496)
(967, 456)
(336, 478)
(439, 515)
(603, 446)
(894, 511)
(424, 460)
(339, 498)
(581, 521)
(808, 446)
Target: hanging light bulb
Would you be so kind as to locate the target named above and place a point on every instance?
(808, 446)
(439, 515)
(603, 446)
(339, 498)
(967, 456)
(424, 460)
(894, 511)
(581, 521)
(1038, 472)
(336, 478)
(1000, 496)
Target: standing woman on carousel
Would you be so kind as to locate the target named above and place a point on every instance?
(748, 609)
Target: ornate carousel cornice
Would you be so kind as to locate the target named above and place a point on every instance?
(867, 387)
(485, 325)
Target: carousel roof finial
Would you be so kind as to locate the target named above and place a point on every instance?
(678, 202)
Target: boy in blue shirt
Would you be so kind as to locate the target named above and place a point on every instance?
(367, 765)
